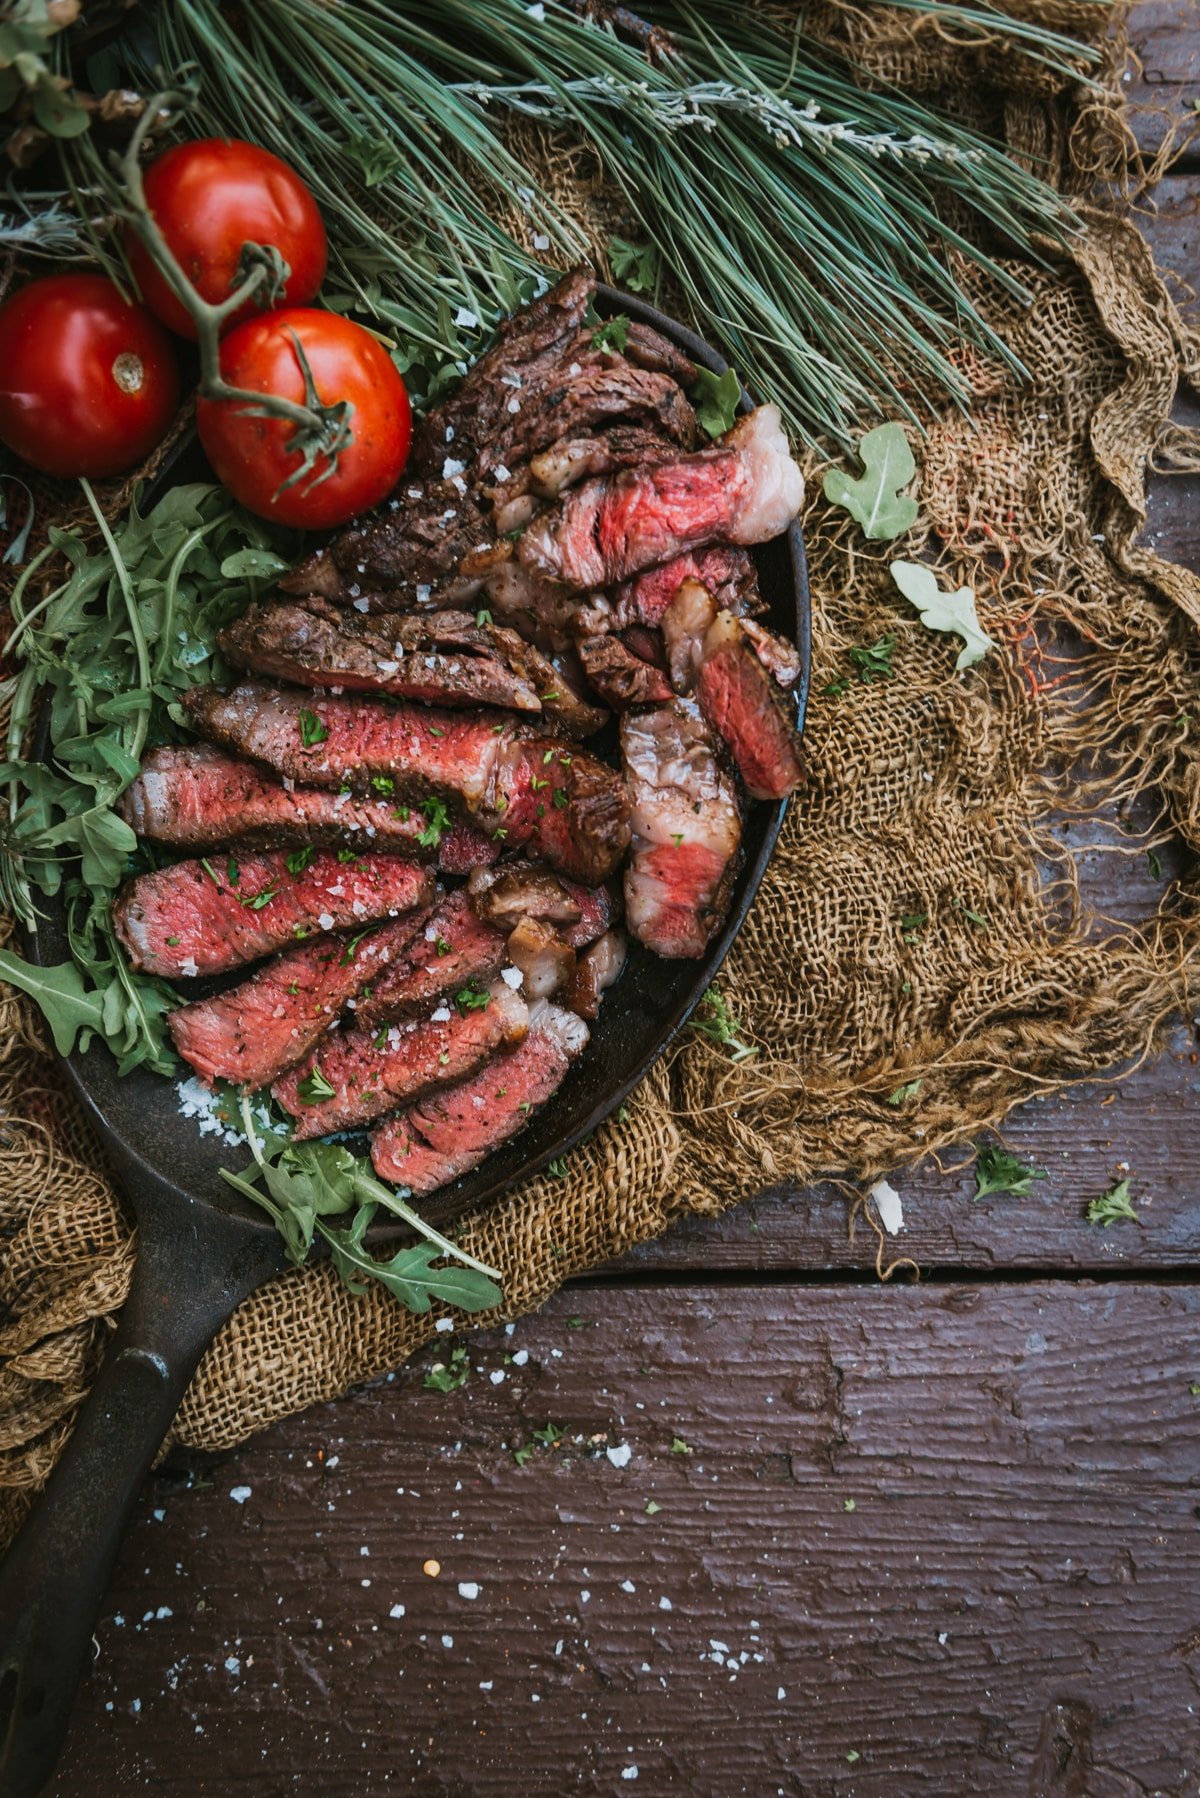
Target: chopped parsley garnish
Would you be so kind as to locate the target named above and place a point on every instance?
(173, 942)
(537, 784)
(547, 698)
(1114, 1207)
(548, 757)
(677, 838)
(471, 998)
(438, 820)
(210, 871)
(381, 1038)
(998, 1171)
(448, 1377)
(258, 900)
(442, 946)
(613, 334)
(312, 731)
(352, 945)
(314, 1087)
(483, 617)
(232, 871)
(300, 859)
(347, 855)
(300, 931)
(875, 661)
(383, 783)
(560, 799)
(715, 1020)
(498, 836)
(443, 1058)
(435, 731)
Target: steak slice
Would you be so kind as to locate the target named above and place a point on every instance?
(574, 459)
(588, 389)
(570, 808)
(745, 489)
(687, 828)
(197, 918)
(724, 568)
(430, 532)
(445, 658)
(451, 1131)
(253, 1032)
(373, 1074)
(454, 948)
(595, 972)
(621, 678)
(516, 890)
(196, 797)
(648, 348)
(748, 710)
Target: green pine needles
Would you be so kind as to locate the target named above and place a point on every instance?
(811, 225)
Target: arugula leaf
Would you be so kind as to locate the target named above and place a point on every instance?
(998, 1171)
(471, 998)
(254, 564)
(65, 1002)
(942, 611)
(716, 399)
(410, 1274)
(877, 660)
(1115, 1206)
(874, 498)
(613, 334)
(634, 264)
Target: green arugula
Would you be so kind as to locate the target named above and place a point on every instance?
(998, 1171)
(314, 1088)
(716, 399)
(302, 1185)
(875, 662)
(874, 498)
(1114, 1207)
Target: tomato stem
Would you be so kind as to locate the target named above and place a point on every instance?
(321, 432)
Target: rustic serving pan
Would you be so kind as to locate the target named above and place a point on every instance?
(202, 1249)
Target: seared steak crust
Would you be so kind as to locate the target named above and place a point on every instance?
(204, 918)
(621, 678)
(453, 948)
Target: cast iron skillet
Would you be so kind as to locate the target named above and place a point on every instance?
(202, 1249)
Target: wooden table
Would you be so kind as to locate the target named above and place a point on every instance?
(806, 1533)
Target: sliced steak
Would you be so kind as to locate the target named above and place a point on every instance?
(197, 797)
(432, 530)
(253, 1032)
(748, 710)
(574, 459)
(745, 489)
(570, 808)
(648, 348)
(453, 948)
(204, 918)
(588, 390)
(595, 972)
(445, 659)
(451, 1131)
(373, 1074)
(725, 569)
(687, 829)
(619, 677)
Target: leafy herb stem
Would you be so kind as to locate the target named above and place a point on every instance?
(138, 635)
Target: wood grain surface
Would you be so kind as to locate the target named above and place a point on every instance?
(919, 1539)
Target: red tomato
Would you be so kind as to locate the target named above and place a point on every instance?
(209, 198)
(251, 455)
(88, 383)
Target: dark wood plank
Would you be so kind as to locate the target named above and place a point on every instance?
(958, 1526)
(1164, 36)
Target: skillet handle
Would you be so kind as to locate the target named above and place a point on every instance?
(187, 1281)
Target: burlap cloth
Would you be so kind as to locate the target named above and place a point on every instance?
(929, 794)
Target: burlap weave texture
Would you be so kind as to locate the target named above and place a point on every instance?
(931, 796)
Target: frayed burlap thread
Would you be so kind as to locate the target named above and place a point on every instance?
(922, 919)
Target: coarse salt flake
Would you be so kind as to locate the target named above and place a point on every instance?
(397, 1610)
(620, 1457)
(512, 977)
(444, 1325)
(465, 317)
(239, 1494)
(537, 12)
(441, 1015)
(540, 241)
(468, 1588)
(326, 920)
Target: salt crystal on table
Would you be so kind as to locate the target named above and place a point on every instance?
(240, 1494)
(397, 1610)
(619, 1456)
(468, 1588)
(888, 1206)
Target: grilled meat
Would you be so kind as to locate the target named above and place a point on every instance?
(197, 797)
(371, 1075)
(197, 918)
(745, 489)
(451, 1131)
(725, 569)
(748, 710)
(685, 625)
(516, 890)
(522, 789)
(648, 348)
(574, 459)
(433, 531)
(253, 1032)
(452, 949)
(588, 390)
(621, 678)
(687, 828)
(595, 972)
(541, 957)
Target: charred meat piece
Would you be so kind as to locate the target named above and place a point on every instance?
(570, 808)
(588, 391)
(204, 918)
(544, 962)
(748, 710)
(595, 972)
(745, 489)
(452, 948)
(574, 459)
(687, 827)
(197, 797)
(619, 677)
(446, 659)
(253, 1032)
(780, 658)
(518, 890)
(451, 1131)
(357, 1076)
(432, 532)
(648, 348)
(685, 624)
